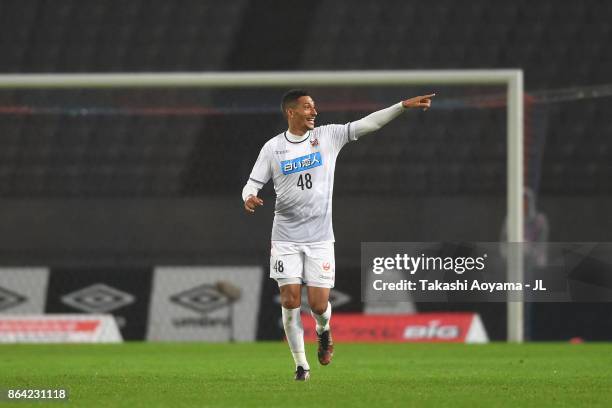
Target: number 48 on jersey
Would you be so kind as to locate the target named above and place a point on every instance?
(305, 181)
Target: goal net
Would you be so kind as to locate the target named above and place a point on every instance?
(454, 173)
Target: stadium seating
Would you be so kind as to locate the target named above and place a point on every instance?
(66, 155)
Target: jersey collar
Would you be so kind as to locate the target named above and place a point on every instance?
(291, 138)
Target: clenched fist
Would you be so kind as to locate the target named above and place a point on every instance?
(251, 203)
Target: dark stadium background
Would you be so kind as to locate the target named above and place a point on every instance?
(122, 195)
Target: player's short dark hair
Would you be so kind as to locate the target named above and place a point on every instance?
(290, 97)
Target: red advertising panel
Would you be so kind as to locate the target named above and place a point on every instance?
(74, 328)
(424, 327)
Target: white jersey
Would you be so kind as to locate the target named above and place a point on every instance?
(303, 176)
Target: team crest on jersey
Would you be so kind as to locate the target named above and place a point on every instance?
(301, 163)
(314, 142)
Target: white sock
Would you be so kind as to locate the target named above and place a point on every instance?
(292, 322)
(323, 319)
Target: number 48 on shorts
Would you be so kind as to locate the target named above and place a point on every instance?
(313, 264)
(278, 266)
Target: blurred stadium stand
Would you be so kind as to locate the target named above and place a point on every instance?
(180, 187)
(558, 45)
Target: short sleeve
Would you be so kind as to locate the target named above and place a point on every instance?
(262, 170)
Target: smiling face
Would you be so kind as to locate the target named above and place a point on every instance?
(301, 115)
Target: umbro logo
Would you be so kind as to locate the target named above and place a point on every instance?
(10, 299)
(202, 299)
(98, 298)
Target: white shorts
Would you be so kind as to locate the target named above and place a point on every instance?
(308, 264)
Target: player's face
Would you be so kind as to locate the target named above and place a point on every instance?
(303, 115)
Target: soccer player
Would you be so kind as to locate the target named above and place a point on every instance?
(301, 163)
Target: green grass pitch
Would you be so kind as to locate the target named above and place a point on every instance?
(361, 375)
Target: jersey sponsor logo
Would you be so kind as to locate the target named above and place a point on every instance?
(302, 163)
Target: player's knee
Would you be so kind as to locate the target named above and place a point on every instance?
(289, 301)
(318, 308)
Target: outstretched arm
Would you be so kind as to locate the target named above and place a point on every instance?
(378, 119)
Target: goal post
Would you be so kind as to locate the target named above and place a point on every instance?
(511, 78)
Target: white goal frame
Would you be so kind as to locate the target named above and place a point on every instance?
(511, 78)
